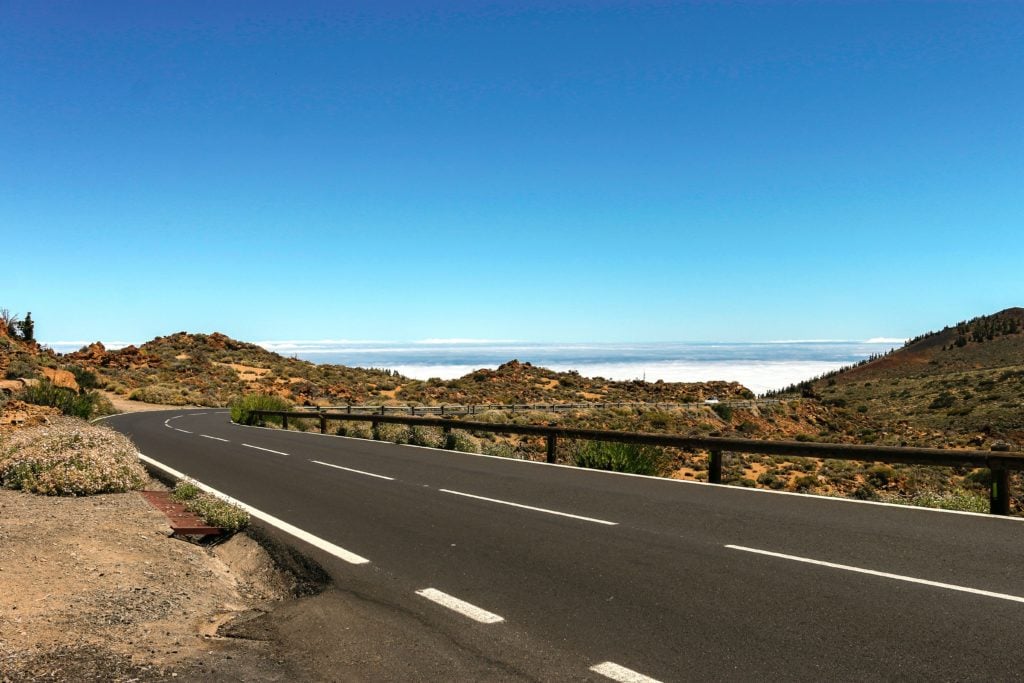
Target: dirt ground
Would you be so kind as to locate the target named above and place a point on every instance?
(94, 588)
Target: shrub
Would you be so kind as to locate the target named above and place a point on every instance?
(387, 431)
(356, 430)
(723, 411)
(461, 441)
(69, 457)
(21, 368)
(620, 457)
(805, 483)
(164, 394)
(242, 407)
(426, 436)
(880, 476)
(943, 400)
(501, 449)
(84, 405)
(213, 510)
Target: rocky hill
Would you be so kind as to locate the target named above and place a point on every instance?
(962, 385)
(212, 369)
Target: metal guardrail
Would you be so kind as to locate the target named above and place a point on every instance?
(998, 462)
(475, 409)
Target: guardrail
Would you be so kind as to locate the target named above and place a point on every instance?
(999, 462)
(474, 409)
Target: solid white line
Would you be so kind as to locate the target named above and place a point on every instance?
(183, 431)
(460, 606)
(295, 531)
(620, 673)
(529, 507)
(349, 469)
(885, 575)
(215, 438)
(260, 448)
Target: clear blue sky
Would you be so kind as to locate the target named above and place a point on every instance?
(597, 171)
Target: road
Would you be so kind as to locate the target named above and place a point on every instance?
(558, 573)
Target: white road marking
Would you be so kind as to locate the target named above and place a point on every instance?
(530, 507)
(349, 469)
(316, 541)
(183, 431)
(460, 606)
(260, 448)
(885, 575)
(215, 438)
(739, 490)
(620, 673)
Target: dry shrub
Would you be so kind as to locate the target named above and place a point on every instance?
(70, 457)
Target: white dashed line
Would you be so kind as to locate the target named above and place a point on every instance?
(884, 575)
(215, 438)
(349, 469)
(620, 673)
(183, 431)
(302, 535)
(260, 448)
(529, 507)
(460, 606)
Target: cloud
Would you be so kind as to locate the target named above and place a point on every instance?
(885, 340)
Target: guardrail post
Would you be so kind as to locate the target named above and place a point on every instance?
(442, 409)
(348, 409)
(375, 430)
(284, 422)
(715, 467)
(999, 496)
(382, 410)
(413, 410)
(323, 423)
(552, 447)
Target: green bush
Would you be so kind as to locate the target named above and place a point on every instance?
(242, 407)
(620, 457)
(84, 405)
(213, 510)
(723, 411)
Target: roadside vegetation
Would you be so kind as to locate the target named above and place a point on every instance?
(69, 457)
(242, 407)
(213, 510)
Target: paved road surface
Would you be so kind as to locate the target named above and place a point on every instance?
(557, 573)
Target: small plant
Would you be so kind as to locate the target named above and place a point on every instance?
(620, 457)
(241, 408)
(214, 511)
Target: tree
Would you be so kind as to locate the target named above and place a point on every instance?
(28, 328)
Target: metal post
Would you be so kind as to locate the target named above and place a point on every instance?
(715, 467)
(999, 496)
(552, 447)
(442, 409)
(323, 423)
(413, 409)
(382, 410)
(348, 408)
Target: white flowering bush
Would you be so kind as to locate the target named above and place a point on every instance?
(69, 457)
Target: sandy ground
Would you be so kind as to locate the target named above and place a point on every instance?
(125, 406)
(93, 588)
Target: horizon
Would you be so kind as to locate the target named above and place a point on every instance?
(583, 171)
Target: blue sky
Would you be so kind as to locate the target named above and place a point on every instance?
(543, 171)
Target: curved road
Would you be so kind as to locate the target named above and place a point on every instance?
(558, 573)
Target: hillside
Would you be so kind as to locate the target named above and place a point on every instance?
(962, 385)
(212, 369)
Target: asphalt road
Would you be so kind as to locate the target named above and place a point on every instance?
(585, 575)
